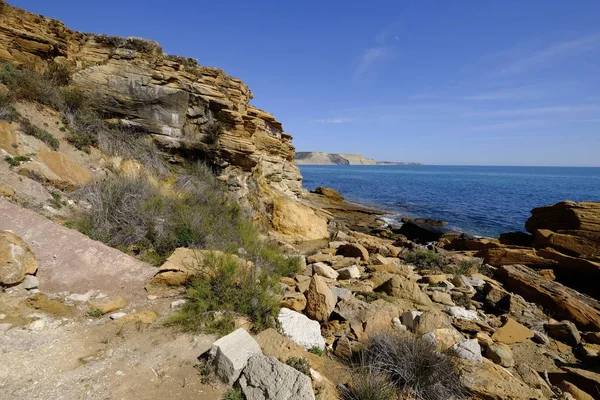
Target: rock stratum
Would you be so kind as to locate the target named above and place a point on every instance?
(320, 158)
(188, 110)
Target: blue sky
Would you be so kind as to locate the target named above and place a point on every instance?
(439, 82)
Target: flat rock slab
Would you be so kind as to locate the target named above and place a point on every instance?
(70, 261)
(230, 354)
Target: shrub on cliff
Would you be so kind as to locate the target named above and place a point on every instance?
(28, 85)
(423, 258)
(413, 365)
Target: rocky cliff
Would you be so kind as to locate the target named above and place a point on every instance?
(320, 158)
(190, 111)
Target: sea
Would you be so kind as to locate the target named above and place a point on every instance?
(478, 200)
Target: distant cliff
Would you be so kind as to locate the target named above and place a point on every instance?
(320, 158)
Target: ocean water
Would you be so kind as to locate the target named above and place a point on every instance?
(482, 201)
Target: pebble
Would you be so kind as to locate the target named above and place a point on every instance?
(117, 315)
(120, 373)
(80, 297)
(37, 325)
(178, 303)
(152, 297)
(31, 282)
(2, 316)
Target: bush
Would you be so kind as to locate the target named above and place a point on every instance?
(300, 364)
(369, 385)
(41, 134)
(224, 289)
(413, 365)
(58, 74)
(7, 111)
(316, 350)
(232, 394)
(30, 86)
(16, 160)
(464, 266)
(423, 258)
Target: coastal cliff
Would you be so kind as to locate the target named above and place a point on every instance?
(189, 111)
(320, 158)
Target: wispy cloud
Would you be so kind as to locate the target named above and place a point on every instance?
(550, 54)
(507, 94)
(370, 58)
(333, 120)
(533, 111)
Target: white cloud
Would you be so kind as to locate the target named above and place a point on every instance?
(370, 58)
(333, 120)
(551, 54)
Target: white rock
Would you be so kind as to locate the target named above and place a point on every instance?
(341, 293)
(351, 272)
(5, 327)
(410, 319)
(37, 325)
(469, 349)
(335, 244)
(230, 354)
(475, 281)
(2, 316)
(80, 297)
(324, 270)
(301, 329)
(117, 315)
(31, 282)
(462, 313)
(178, 303)
(398, 324)
(120, 373)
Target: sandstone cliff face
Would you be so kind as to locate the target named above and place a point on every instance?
(189, 110)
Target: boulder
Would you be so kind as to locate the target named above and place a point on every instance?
(16, 259)
(324, 270)
(442, 298)
(410, 319)
(108, 304)
(444, 338)
(401, 287)
(465, 243)
(320, 258)
(341, 293)
(568, 244)
(266, 378)
(468, 350)
(579, 273)
(566, 215)
(320, 300)
(421, 233)
(574, 391)
(301, 329)
(462, 313)
(489, 381)
(366, 319)
(501, 354)
(293, 300)
(297, 221)
(564, 331)
(565, 302)
(230, 354)
(404, 270)
(329, 193)
(353, 250)
(520, 239)
(351, 272)
(512, 332)
(509, 256)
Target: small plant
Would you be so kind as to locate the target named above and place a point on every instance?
(58, 74)
(57, 201)
(369, 385)
(40, 134)
(7, 111)
(213, 132)
(465, 267)
(94, 314)
(316, 350)
(299, 363)
(16, 160)
(232, 394)
(424, 258)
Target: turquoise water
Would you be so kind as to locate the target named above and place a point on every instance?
(484, 201)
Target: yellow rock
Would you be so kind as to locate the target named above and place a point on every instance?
(108, 304)
(16, 259)
(145, 317)
(9, 138)
(297, 221)
(70, 173)
(512, 332)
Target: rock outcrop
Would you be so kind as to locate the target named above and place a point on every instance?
(320, 158)
(188, 110)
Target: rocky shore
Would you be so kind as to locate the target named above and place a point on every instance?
(200, 267)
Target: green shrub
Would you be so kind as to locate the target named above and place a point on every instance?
(369, 385)
(30, 86)
(232, 394)
(224, 289)
(58, 74)
(464, 266)
(424, 258)
(413, 365)
(300, 364)
(316, 350)
(41, 134)
(16, 160)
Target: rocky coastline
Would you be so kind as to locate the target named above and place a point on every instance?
(214, 274)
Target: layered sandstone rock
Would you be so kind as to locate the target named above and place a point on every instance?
(197, 112)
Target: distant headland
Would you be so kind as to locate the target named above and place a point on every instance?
(320, 158)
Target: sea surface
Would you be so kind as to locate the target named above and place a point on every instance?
(482, 201)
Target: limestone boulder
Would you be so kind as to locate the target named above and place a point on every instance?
(330, 193)
(108, 304)
(266, 378)
(509, 256)
(564, 331)
(297, 221)
(501, 354)
(444, 338)
(294, 300)
(229, 355)
(301, 329)
(366, 319)
(16, 259)
(351, 272)
(401, 287)
(353, 250)
(512, 332)
(320, 300)
(324, 270)
(566, 243)
(566, 215)
(468, 349)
